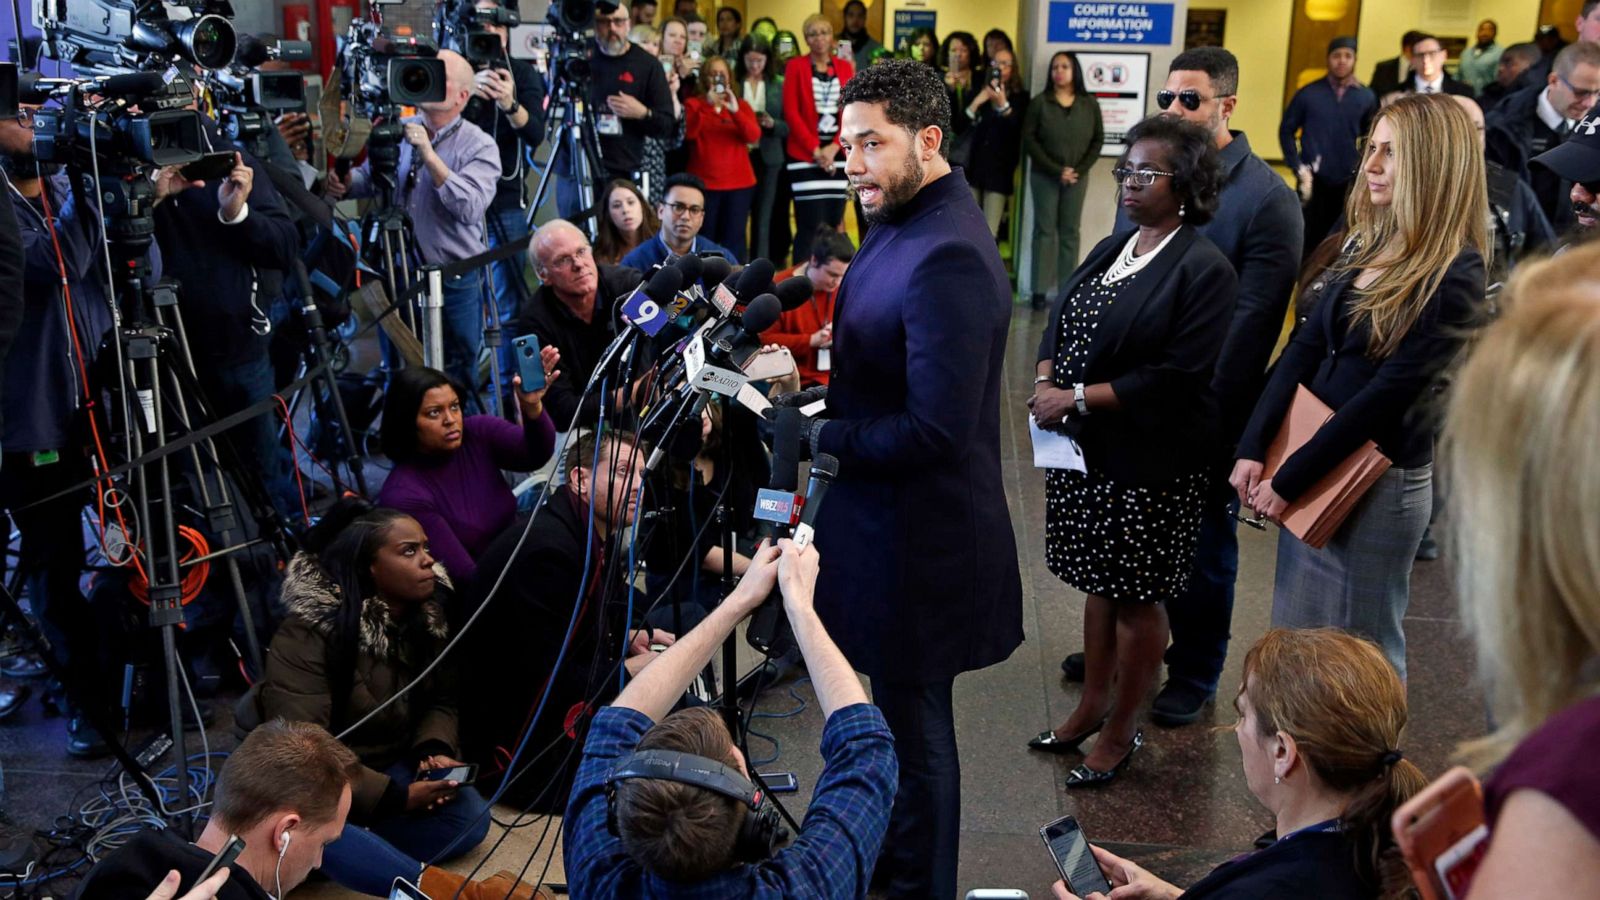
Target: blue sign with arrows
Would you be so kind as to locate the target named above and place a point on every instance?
(1110, 23)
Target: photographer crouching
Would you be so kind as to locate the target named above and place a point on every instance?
(445, 180)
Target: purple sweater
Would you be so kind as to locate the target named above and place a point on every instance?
(462, 500)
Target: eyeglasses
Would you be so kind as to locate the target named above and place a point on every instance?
(684, 209)
(1189, 97)
(1140, 177)
(1577, 92)
(24, 117)
(570, 261)
(1426, 54)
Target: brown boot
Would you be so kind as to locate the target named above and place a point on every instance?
(502, 885)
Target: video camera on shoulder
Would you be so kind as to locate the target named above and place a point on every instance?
(464, 27)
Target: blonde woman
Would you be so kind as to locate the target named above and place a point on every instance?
(1386, 316)
(1521, 435)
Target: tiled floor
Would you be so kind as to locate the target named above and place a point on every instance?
(1181, 808)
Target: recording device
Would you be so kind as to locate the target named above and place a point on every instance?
(720, 82)
(381, 70)
(647, 307)
(780, 782)
(762, 631)
(1443, 836)
(1070, 849)
(824, 468)
(461, 774)
(996, 80)
(230, 851)
(765, 366)
(463, 27)
(752, 280)
(794, 292)
(529, 366)
(101, 37)
(778, 503)
(569, 51)
(211, 167)
(405, 890)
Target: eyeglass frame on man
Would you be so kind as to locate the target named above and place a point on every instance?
(1142, 177)
(1577, 92)
(683, 209)
(1189, 97)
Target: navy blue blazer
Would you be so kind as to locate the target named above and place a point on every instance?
(919, 577)
(1315, 864)
(1157, 347)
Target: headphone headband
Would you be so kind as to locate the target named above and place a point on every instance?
(687, 768)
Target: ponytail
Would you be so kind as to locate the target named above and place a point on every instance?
(1366, 821)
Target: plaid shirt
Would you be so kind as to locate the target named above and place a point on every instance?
(832, 857)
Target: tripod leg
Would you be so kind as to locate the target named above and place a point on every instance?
(323, 363)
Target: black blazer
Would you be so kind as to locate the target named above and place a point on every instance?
(1156, 346)
(1316, 864)
(1449, 85)
(1385, 77)
(1372, 399)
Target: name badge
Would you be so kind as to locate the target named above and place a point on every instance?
(609, 124)
(824, 359)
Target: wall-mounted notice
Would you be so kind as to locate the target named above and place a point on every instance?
(1110, 23)
(1120, 82)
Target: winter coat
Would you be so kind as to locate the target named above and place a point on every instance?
(300, 679)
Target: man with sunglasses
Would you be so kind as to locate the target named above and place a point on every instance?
(1577, 162)
(682, 210)
(1536, 119)
(1258, 226)
(1427, 71)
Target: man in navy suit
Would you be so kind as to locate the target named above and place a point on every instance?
(921, 580)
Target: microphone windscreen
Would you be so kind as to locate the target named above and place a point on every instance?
(663, 284)
(691, 267)
(30, 91)
(294, 51)
(251, 51)
(825, 465)
(761, 314)
(786, 449)
(794, 292)
(133, 83)
(754, 279)
(714, 271)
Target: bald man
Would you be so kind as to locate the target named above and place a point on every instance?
(445, 181)
(1519, 224)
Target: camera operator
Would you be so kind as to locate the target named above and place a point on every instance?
(65, 313)
(649, 836)
(446, 177)
(630, 100)
(227, 248)
(511, 110)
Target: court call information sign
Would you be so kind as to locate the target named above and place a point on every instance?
(1110, 23)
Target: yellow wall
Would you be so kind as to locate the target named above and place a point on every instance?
(976, 16)
(787, 13)
(1383, 21)
(1258, 34)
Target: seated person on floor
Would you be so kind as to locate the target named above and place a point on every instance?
(285, 791)
(365, 616)
(629, 832)
(1320, 719)
(447, 465)
(545, 596)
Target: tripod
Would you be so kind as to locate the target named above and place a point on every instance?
(577, 142)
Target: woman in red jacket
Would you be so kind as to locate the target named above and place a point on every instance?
(811, 88)
(720, 131)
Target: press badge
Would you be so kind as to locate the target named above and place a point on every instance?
(610, 124)
(824, 359)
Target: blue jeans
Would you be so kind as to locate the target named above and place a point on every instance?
(507, 226)
(232, 388)
(463, 328)
(369, 859)
(1202, 617)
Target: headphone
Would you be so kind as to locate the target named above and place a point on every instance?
(761, 832)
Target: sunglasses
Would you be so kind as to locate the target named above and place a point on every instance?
(1189, 97)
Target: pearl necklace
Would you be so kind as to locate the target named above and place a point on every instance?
(1127, 264)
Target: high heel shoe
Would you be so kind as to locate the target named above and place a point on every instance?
(1082, 776)
(1047, 741)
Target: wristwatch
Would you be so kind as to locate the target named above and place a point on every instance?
(1077, 397)
(1041, 379)
(516, 107)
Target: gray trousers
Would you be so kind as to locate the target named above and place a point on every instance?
(1057, 210)
(1361, 581)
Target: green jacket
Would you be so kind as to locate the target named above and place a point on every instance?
(1056, 136)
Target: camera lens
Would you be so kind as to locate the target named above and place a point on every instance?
(209, 40)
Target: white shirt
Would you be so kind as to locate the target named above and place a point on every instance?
(1548, 114)
(756, 96)
(1435, 86)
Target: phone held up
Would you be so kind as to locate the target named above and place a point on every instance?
(1442, 834)
(529, 366)
(1070, 849)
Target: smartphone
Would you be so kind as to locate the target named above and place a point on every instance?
(781, 782)
(1442, 833)
(843, 50)
(776, 364)
(229, 852)
(211, 167)
(1074, 860)
(529, 366)
(462, 774)
(405, 890)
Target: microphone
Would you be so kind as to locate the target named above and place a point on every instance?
(823, 470)
(691, 266)
(778, 503)
(645, 307)
(132, 84)
(253, 51)
(794, 292)
(753, 280)
(716, 271)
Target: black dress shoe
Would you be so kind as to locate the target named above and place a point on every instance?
(1036, 301)
(1049, 743)
(1082, 776)
(1428, 550)
(83, 742)
(12, 697)
(1073, 667)
(23, 665)
(1179, 703)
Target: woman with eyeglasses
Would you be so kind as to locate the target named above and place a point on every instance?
(812, 85)
(1386, 316)
(1062, 133)
(1125, 370)
(996, 113)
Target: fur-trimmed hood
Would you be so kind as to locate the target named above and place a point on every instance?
(311, 596)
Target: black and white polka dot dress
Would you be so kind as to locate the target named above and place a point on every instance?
(1102, 537)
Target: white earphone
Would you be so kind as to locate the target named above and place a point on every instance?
(277, 871)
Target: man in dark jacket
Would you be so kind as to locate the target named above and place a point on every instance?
(1258, 226)
(220, 241)
(1535, 119)
(921, 582)
(1388, 74)
(630, 100)
(1330, 115)
(1427, 71)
